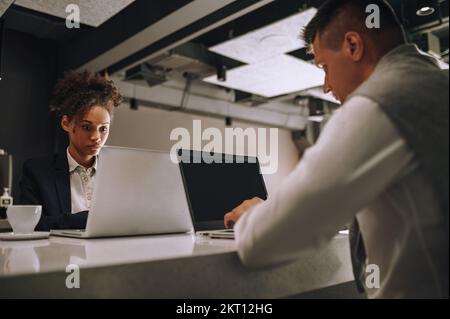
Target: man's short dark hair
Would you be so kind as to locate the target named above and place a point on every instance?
(354, 20)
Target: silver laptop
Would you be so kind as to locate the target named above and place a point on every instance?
(136, 192)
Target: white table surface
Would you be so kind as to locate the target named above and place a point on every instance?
(164, 266)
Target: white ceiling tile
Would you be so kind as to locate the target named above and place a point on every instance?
(275, 39)
(92, 12)
(4, 5)
(279, 75)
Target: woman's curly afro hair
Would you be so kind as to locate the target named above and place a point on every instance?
(76, 93)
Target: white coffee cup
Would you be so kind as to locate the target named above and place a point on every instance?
(23, 218)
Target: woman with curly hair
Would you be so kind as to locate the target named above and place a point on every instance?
(63, 183)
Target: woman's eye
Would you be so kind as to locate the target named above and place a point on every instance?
(104, 129)
(85, 127)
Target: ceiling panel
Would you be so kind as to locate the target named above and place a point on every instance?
(275, 39)
(279, 75)
(92, 12)
(4, 5)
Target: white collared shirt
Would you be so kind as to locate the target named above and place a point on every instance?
(359, 166)
(81, 184)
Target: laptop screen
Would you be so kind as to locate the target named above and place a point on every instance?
(217, 183)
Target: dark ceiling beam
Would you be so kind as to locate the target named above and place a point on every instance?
(173, 29)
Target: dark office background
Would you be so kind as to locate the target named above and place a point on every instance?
(28, 74)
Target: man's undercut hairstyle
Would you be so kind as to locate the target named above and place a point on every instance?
(337, 17)
(77, 92)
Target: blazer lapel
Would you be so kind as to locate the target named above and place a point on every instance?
(62, 180)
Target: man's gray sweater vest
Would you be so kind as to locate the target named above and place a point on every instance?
(413, 91)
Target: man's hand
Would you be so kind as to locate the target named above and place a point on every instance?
(232, 217)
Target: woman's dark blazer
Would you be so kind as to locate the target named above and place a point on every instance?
(46, 181)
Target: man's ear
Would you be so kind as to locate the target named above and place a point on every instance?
(354, 46)
(65, 123)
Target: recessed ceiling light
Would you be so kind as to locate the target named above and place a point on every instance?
(425, 11)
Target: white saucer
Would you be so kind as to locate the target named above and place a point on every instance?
(30, 236)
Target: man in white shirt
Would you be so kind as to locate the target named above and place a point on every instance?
(365, 163)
